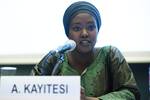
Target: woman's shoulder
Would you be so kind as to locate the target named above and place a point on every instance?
(113, 52)
(108, 48)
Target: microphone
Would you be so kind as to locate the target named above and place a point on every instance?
(68, 46)
(59, 54)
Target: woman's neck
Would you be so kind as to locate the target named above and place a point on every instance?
(80, 61)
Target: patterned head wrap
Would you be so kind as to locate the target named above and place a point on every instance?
(80, 6)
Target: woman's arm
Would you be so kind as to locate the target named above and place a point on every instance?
(46, 65)
(124, 86)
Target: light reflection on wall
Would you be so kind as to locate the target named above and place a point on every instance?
(35, 26)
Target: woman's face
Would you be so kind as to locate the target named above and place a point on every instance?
(83, 30)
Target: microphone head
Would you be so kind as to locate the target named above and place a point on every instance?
(67, 47)
(72, 44)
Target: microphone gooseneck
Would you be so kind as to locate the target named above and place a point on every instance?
(67, 47)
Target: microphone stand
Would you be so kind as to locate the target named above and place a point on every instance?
(60, 60)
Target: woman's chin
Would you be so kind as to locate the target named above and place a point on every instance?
(85, 50)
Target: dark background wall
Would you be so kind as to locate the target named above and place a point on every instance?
(140, 71)
(141, 75)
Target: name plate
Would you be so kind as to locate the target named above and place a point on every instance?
(40, 87)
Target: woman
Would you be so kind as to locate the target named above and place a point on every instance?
(105, 74)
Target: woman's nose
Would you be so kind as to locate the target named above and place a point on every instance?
(84, 33)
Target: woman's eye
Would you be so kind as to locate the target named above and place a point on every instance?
(76, 28)
(90, 27)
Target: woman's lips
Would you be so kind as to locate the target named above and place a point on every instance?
(85, 42)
